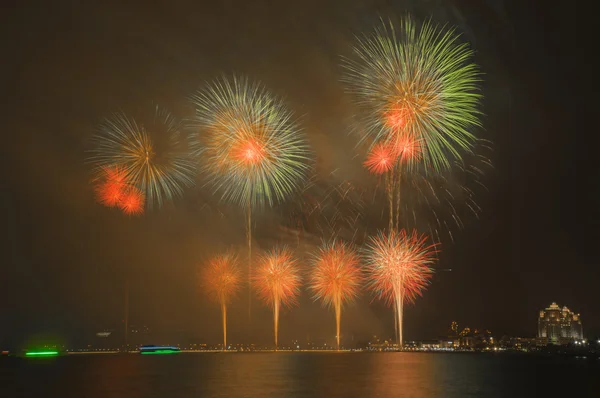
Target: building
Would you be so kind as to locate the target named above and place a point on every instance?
(452, 340)
(517, 343)
(453, 329)
(558, 326)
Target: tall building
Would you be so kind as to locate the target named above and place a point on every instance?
(559, 326)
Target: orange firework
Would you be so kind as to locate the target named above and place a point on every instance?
(336, 278)
(277, 282)
(112, 183)
(221, 280)
(398, 268)
(132, 202)
(381, 159)
(249, 152)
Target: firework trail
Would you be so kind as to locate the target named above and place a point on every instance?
(252, 150)
(398, 267)
(335, 278)
(440, 201)
(277, 282)
(113, 189)
(151, 156)
(327, 210)
(221, 281)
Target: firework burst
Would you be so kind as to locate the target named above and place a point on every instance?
(113, 189)
(252, 150)
(221, 281)
(151, 155)
(398, 268)
(336, 278)
(277, 282)
(381, 159)
(416, 81)
(110, 186)
(132, 202)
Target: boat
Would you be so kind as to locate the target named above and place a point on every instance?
(43, 353)
(157, 350)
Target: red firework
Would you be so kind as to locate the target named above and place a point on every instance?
(398, 117)
(114, 190)
(132, 202)
(277, 282)
(407, 148)
(381, 159)
(398, 265)
(112, 184)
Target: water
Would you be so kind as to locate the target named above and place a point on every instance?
(329, 375)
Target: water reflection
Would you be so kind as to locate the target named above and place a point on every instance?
(296, 375)
(402, 374)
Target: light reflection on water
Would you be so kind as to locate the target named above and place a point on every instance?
(294, 375)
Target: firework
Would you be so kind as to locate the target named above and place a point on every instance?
(113, 189)
(326, 210)
(148, 161)
(277, 282)
(252, 150)
(398, 268)
(440, 202)
(381, 159)
(407, 148)
(335, 278)
(221, 281)
(132, 201)
(150, 155)
(416, 81)
(110, 186)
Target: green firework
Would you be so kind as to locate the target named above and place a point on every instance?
(416, 80)
(252, 150)
(152, 154)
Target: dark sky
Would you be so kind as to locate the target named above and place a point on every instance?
(67, 66)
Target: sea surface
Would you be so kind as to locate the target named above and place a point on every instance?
(328, 375)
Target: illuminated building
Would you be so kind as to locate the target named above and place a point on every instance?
(452, 340)
(558, 326)
(454, 329)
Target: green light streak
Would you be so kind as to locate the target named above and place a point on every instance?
(160, 352)
(41, 353)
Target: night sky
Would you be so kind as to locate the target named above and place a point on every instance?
(64, 257)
